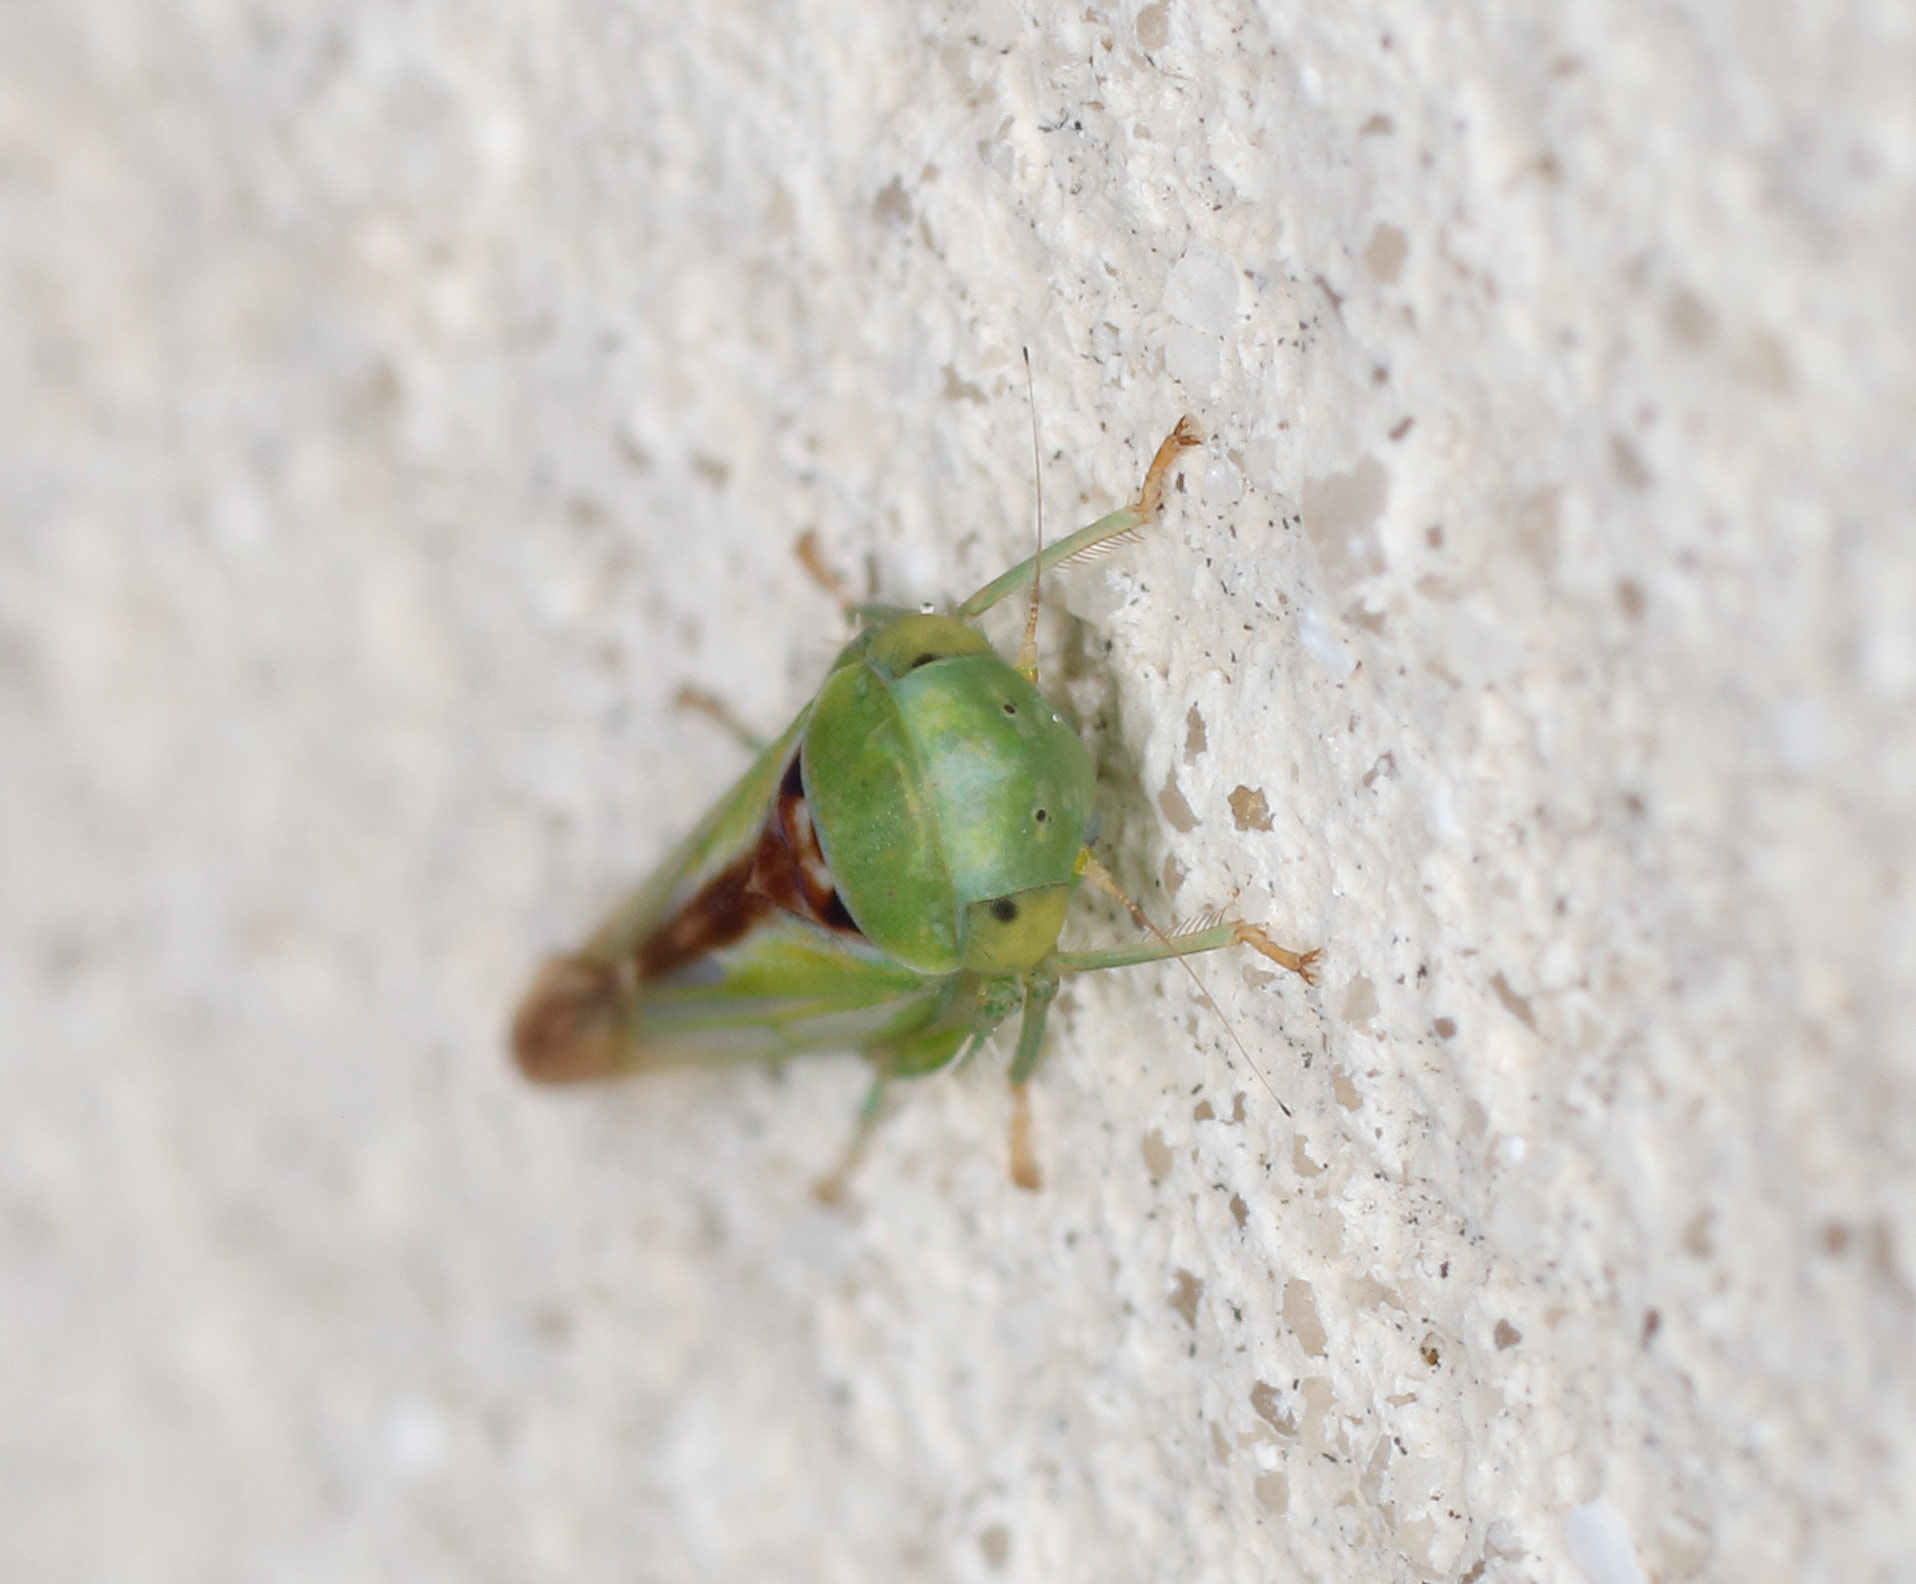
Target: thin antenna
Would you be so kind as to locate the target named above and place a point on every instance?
(1303, 964)
(1028, 649)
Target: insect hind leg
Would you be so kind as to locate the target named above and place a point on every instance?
(829, 1190)
(909, 1058)
(1162, 947)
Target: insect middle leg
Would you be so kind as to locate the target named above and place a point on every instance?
(1231, 932)
(1218, 936)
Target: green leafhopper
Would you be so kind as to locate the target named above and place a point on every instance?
(890, 876)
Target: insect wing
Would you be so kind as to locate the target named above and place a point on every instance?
(734, 949)
(729, 828)
(782, 988)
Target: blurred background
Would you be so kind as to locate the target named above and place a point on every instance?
(399, 405)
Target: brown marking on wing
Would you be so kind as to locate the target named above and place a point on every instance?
(789, 866)
(575, 1023)
(721, 913)
(787, 869)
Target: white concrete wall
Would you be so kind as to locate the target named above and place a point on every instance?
(399, 404)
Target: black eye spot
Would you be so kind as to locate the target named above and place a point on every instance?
(1010, 708)
(1004, 910)
(1040, 815)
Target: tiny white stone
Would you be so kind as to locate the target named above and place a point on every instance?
(1797, 728)
(1223, 485)
(1887, 657)
(1443, 812)
(1599, 1542)
(1332, 657)
(1502, 1539)
(1202, 292)
(414, 1439)
(1191, 357)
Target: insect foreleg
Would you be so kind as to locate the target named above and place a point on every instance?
(1040, 990)
(1024, 1161)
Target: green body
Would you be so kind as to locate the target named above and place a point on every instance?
(889, 877)
(951, 801)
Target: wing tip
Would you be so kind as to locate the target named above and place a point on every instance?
(571, 1025)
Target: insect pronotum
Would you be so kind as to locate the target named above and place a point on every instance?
(890, 876)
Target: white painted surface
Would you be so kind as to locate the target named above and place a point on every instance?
(400, 404)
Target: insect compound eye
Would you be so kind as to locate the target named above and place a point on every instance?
(1004, 910)
(909, 642)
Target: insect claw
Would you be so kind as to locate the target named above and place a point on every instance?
(1303, 964)
(1152, 495)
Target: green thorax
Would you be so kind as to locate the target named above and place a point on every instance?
(950, 797)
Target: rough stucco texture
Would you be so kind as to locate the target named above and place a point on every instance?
(400, 404)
